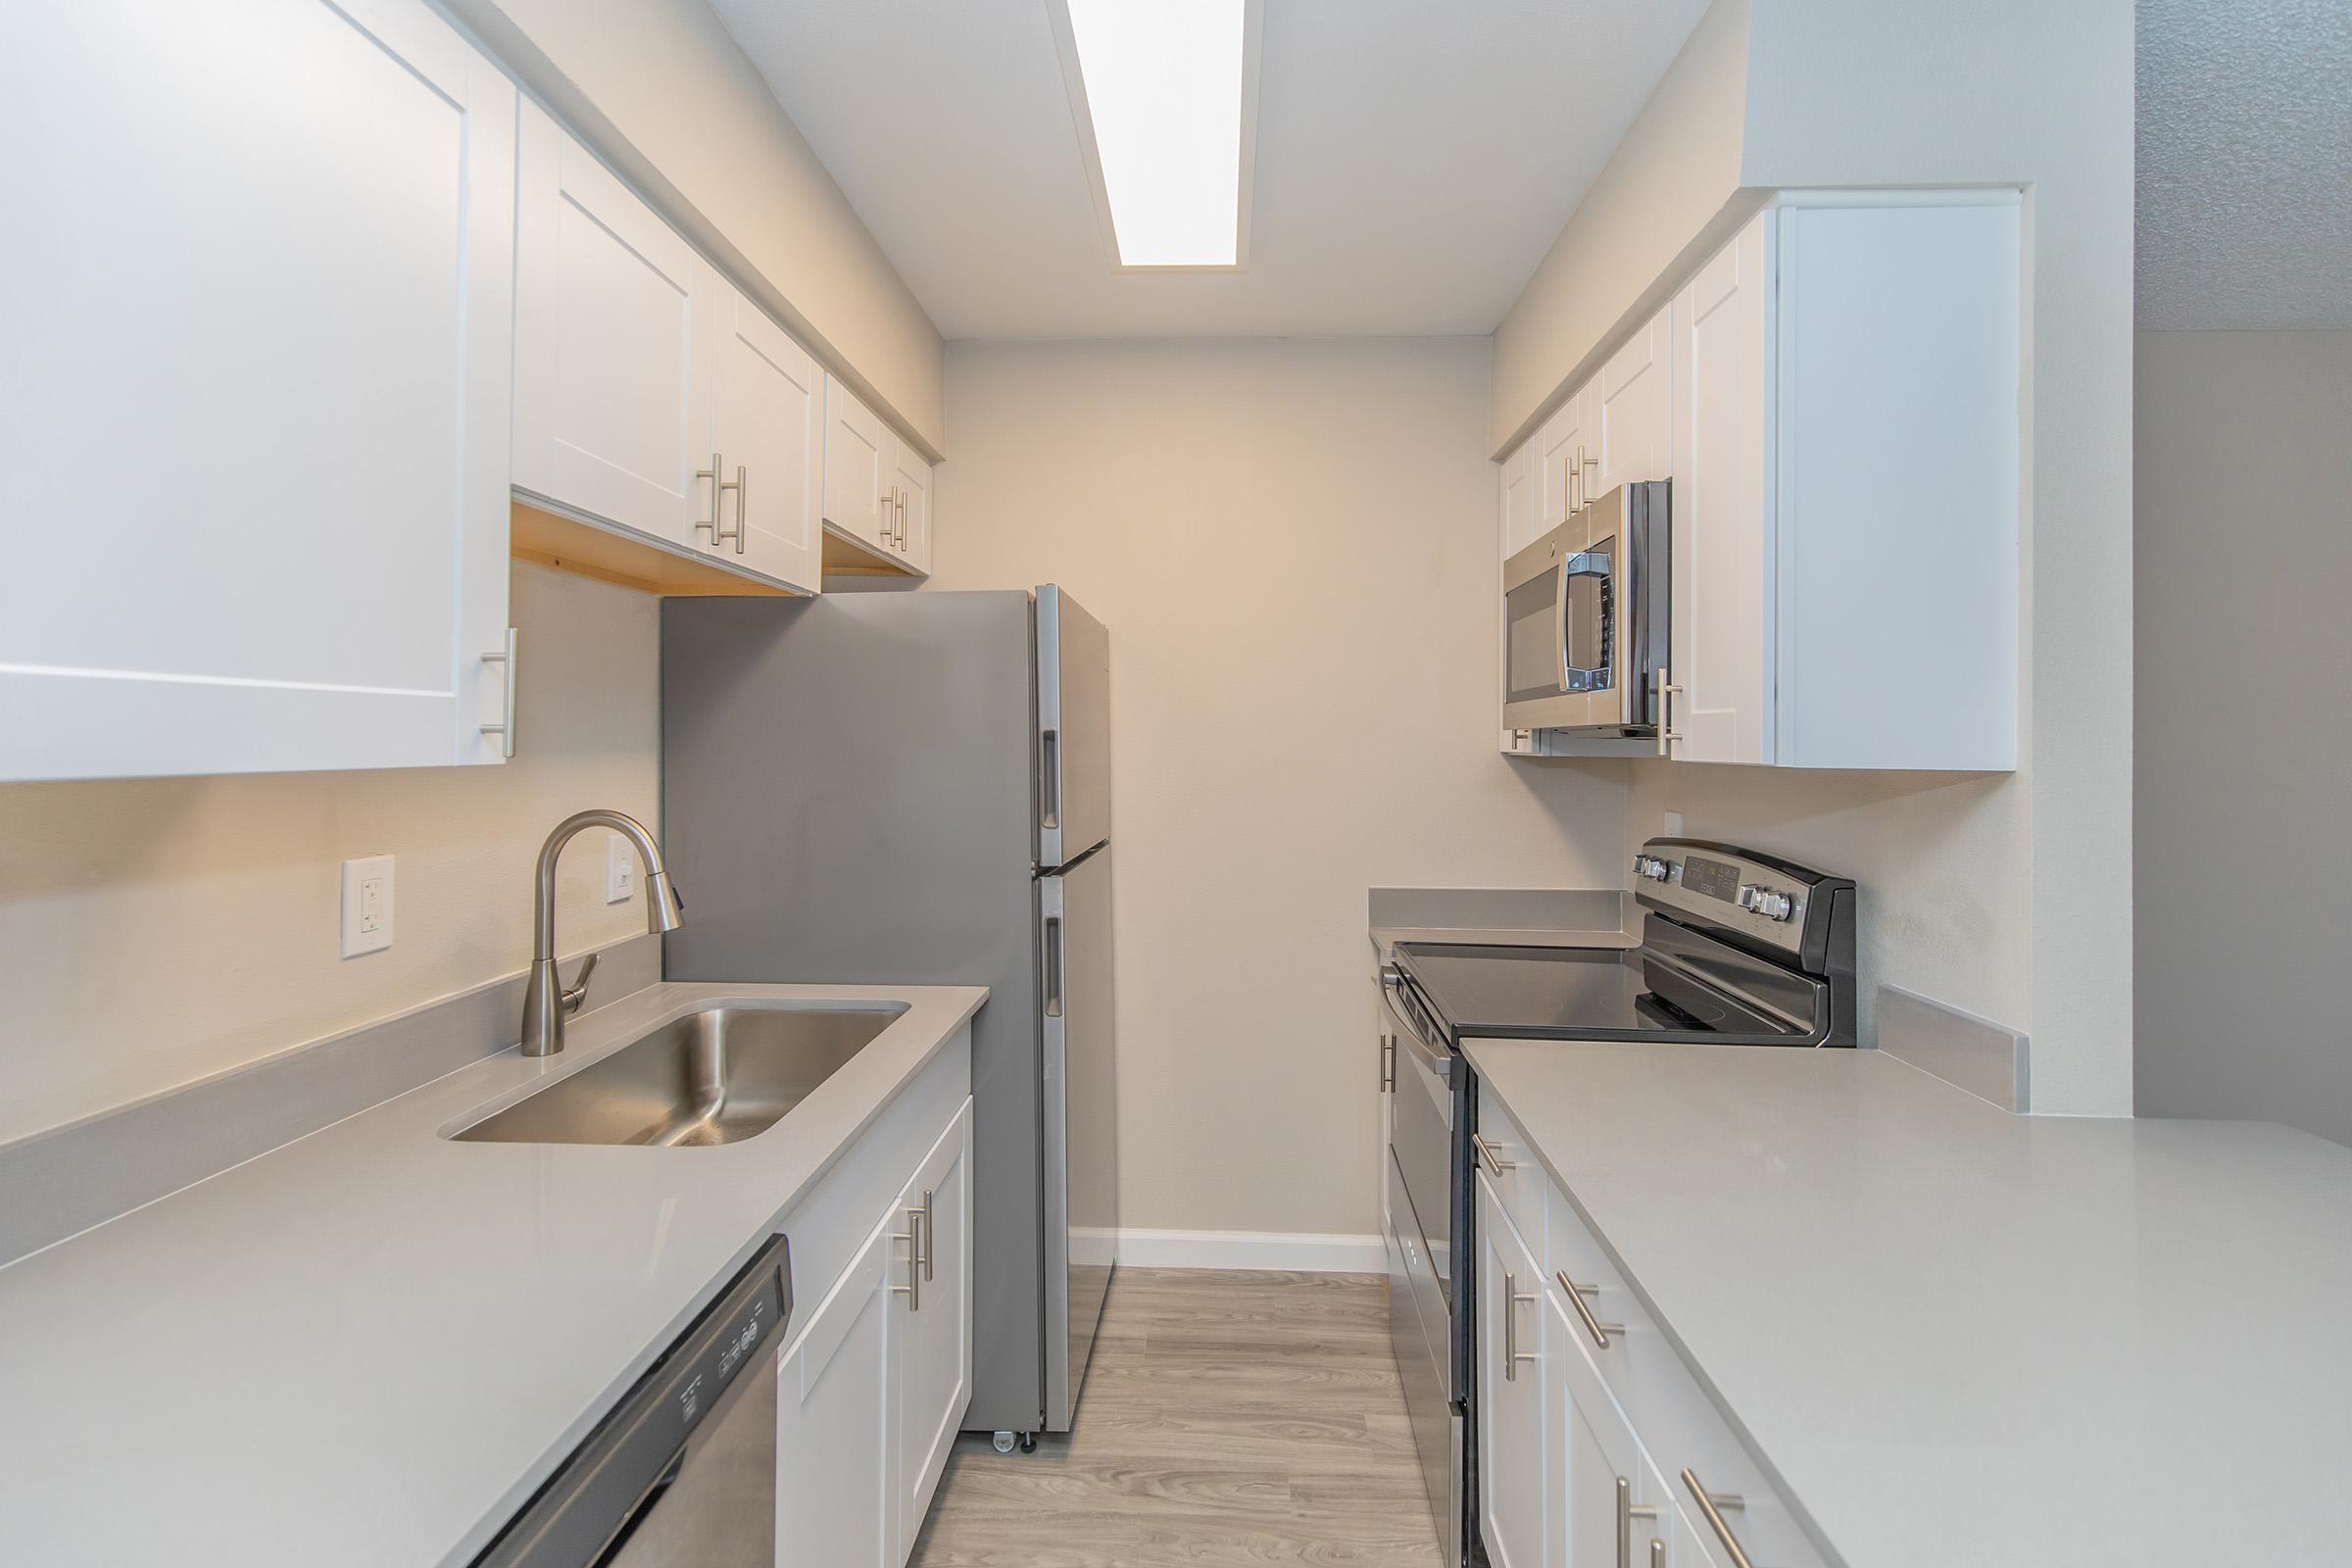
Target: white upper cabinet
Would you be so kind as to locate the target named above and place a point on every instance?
(768, 441)
(1720, 655)
(611, 418)
(651, 395)
(1561, 450)
(253, 407)
(857, 466)
(911, 477)
(1520, 521)
(1835, 398)
(1632, 412)
(1846, 488)
(877, 486)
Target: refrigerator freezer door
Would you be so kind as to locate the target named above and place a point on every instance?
(1073, 729)
(1081, 1117)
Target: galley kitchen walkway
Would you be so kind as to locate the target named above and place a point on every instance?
(1229, 1417)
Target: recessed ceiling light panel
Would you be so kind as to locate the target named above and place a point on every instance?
(1165, 95)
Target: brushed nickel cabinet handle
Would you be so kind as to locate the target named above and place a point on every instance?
(503, 729)
(1593, 1326)
(1712, 1505)
(743, 501)
(912, 1290)
(718, 488)
(1657, 1552)
(1388, 1064)
(1496, 1163)
(930, 1239)
(1626, 1512)
(1512, 1355)
(1667, 733)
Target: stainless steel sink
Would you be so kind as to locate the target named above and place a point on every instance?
(716, 1076)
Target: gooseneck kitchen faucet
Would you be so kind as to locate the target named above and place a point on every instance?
(546, 1003)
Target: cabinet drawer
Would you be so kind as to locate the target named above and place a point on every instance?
(1510, 1166)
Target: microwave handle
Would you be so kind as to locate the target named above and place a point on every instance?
(1583, 564)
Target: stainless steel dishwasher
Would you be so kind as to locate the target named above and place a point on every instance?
(683, 1472)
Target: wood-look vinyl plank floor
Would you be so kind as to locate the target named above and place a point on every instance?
(1229, 1417)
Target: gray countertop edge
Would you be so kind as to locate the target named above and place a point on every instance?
(1660, 1317)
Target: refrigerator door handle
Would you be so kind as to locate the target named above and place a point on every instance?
(1048, 775)
(1054, 959)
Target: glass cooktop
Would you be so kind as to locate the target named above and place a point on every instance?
(1585, 991)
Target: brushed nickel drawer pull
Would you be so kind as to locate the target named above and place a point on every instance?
(912, 1236)
(503, 729)
(1712, 1505)
(930, 1239)
(1496, 1163)
(1593, 1326)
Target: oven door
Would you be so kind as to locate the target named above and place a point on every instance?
(1559, 657)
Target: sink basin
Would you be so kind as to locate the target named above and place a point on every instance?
(715, 1076)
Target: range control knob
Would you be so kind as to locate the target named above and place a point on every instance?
(1763, 901)
(1650, 867)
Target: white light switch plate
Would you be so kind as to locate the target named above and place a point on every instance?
(1673, 826)
(367, 906)
(620, 870)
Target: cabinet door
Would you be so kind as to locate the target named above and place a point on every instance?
(1721, 375)
(1632, 410)
(767, 430)
(1511, 1472)
(1562, 446)
(1611, 1503)
(857, 465)
(933, 1368)
(911, 476)
(612, 416)
(1519, 500)
(252, 404)
(834, 1483)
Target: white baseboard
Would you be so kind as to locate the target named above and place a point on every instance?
(1309, 1253)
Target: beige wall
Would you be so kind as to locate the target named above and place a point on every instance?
(2245, 721)
(154, 931)
(1293, 543)
(2006, 896)
(660, 89)
(1667, 197)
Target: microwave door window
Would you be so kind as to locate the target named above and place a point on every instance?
(1532, 641)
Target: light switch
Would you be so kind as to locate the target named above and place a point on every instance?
(367, 906)
(620, 870)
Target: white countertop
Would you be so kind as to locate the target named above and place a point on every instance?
(370, 1346)
(1962, 1339)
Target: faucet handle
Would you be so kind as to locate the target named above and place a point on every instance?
(577, 992)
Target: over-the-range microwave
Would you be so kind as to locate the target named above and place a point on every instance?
(1585, 612)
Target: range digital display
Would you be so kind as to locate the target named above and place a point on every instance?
(1711, 877)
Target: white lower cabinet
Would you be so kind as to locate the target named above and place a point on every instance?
(874, 1386)
(931, 1360)
(1512, 1485)
(1583, 1448)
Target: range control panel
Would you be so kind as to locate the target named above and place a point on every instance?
(1731, 889)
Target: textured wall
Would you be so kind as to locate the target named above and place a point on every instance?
(154, 931)
(2245, 721)
(1293, 544)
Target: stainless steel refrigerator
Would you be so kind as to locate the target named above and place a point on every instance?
(915, 788)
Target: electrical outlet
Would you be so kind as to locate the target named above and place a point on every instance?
(1674, 824)
(367, 906)
(620, 870)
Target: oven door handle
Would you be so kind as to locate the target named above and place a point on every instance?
(1439, 1066)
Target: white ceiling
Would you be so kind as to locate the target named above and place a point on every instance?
(2245, 163)
(1415, 158)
